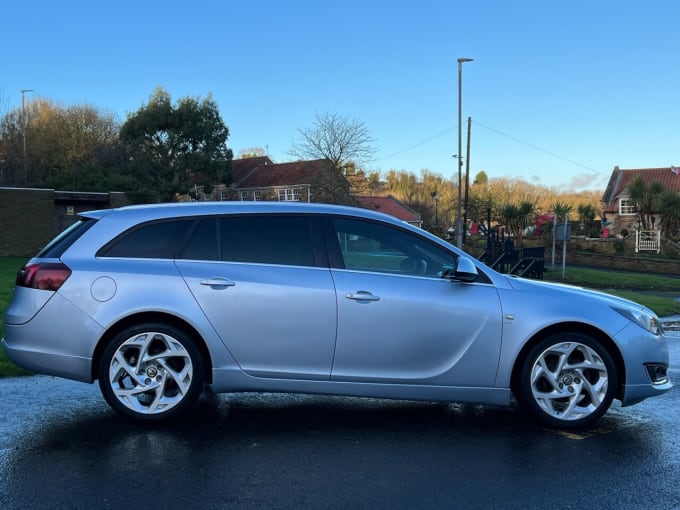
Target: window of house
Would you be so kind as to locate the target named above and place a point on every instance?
(626, 206)
(244, 195)
(368, 246)
(289, 195)
(257, 195)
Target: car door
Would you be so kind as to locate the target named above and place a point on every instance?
(256, 277)
(399, 319)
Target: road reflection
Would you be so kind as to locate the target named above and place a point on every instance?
(285, 451)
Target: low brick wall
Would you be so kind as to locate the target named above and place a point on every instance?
(647, 265)
(605, 261)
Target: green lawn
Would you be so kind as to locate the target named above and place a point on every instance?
(653, 291)
(659, 293)
(8, 272)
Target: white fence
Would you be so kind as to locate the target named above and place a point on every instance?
(647, 240)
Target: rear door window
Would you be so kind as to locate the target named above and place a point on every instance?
(266, 239)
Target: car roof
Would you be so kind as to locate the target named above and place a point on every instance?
(150, 212)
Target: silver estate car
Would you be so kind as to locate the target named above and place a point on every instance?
(157, 301)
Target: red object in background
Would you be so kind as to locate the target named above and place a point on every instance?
(605, 232)
(542, 220)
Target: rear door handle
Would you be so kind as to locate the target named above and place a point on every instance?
(218, 282)
(362, 295)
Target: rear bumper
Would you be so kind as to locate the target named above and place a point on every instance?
(60, 365)
(59, 340)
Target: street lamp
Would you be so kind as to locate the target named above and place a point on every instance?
(435, 197)
(459, 220)
(23, 129)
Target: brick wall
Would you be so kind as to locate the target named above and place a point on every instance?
(647, 265)
(604, 261)
(26, 220)
(29, 218)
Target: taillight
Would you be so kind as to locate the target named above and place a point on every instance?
(43, 275)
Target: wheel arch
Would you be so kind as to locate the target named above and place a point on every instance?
(165, 318)
(574, 327)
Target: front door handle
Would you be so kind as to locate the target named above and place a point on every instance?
(362, 295)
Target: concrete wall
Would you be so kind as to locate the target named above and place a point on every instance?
(29, 218)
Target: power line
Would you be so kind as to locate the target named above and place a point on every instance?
(428, 140)
(514, 138)
(498, 132)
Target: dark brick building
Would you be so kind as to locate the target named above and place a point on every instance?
(29, 217)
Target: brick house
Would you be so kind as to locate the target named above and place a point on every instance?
(620, 211)
(260, 178)
(283, 182)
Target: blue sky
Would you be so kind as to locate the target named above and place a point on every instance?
(559, 92)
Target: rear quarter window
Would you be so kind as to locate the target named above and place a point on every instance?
(155, 240)
(57, 246)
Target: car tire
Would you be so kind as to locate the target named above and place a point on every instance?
(567, 380)
(151, 372)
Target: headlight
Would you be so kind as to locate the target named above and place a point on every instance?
(647, 321)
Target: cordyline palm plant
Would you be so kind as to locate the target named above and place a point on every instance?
(586, 215)
(517, 219)
(648, 200)
(670, 214)
(560, 210)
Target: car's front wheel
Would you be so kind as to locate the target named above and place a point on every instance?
(567, 380)
(151, 371)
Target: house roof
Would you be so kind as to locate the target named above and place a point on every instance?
(268, 174)
(242, 168)
(392, 206)
(622, 178)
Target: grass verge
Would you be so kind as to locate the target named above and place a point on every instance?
(657, 292)
(8, 272)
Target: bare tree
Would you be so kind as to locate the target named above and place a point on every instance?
(344, 143)
(339, 139)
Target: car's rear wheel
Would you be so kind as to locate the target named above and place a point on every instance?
(567, 380)
(151, 371)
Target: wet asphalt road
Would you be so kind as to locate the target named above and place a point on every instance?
(61, 447)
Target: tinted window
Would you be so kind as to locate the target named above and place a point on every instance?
(202, 243)
(369, 246)
(159, 240)
(266, 239)
(56, 247)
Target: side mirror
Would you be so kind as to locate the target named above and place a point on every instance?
(465, 270)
